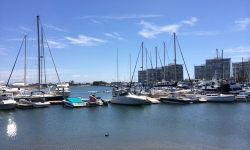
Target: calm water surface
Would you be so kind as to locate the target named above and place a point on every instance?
(159, 126)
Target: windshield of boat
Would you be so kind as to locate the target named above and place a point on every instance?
(123, 92)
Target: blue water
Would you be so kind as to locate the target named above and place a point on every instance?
(159, 126)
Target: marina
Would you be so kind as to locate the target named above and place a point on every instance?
(160, 126)
(125, 76)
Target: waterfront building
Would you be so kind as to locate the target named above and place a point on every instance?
(200, 71)
(148, 75)
(218, 68)
(157, 75)
(241, 69)
(142, 75)
(214, 68)
(171, 72)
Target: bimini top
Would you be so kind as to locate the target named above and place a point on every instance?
(74, 100)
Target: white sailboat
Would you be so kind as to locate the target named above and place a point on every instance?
(219, 98)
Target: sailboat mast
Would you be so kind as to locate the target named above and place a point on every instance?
(117, 66)
(147, 65)
(164, 62)
(142, 55)
(175, 59)
(41, 55)
(156, 65)
(130, 65)
(25, 60)
(38, 45)
(222, 65)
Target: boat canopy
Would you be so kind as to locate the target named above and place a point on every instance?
(36, 91)
(74, 100)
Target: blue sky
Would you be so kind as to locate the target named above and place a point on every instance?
(84, 36)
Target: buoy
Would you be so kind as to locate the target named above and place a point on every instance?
(106, 134)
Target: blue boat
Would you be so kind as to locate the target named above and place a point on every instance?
(74, 102)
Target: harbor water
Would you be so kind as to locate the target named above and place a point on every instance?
(158, 126)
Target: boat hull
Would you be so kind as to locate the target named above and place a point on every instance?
(72, 105)
(127, 101)
(175, 101)
(219, 98)
(41, 105)
(63, 94)
(7, 106)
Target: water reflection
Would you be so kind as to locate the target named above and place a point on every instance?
(11, 128)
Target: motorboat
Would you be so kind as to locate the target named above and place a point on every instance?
(23, 104)
(97, 100)
(213, 97)
(63, 89)
(176, 98)
(200, 100)
(74, 102)
(182, 85)
(7, 101)
(39, 104)
(107, 91)
(125, 97)
(242, 97)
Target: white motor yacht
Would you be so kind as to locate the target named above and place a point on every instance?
(63, 89)
(125, 97)
(7, 101)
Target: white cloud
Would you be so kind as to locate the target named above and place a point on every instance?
(121, 17)
(242, 24)
(26, 29)
(85, 40)
(190, 22)
(131, 16)
(197, 33)
(53, 27)
(96, 22)
(114, 35)
(2, 49)
(240, 49)
(150, 30)
(54, 44)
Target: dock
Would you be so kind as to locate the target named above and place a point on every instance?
(23, 106)
(57, 102)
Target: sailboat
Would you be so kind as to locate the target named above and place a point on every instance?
(174, 96)
(43, 92)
